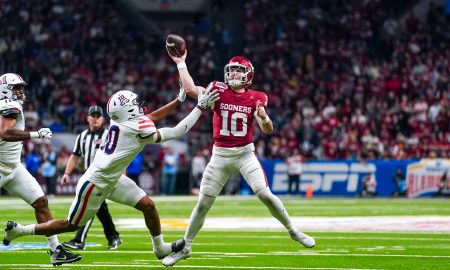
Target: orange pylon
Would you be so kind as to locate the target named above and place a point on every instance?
(309, 191)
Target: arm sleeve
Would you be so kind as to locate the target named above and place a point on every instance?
(77, 147)
(182, 128)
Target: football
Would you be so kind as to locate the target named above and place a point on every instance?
(175, 45)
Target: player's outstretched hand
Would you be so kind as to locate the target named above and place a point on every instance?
(208, 99)
(180, 59)
(181, 95)
(43, 133)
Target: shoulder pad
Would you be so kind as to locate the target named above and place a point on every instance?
(265, 99)
(220, 84)
(10, 105)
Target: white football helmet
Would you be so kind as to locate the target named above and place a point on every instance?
(123, 106)
(12, 87)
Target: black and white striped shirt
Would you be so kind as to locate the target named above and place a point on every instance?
(87, 144)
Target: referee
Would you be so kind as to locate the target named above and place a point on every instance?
(86, 145)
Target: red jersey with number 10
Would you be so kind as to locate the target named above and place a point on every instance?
(233, 115)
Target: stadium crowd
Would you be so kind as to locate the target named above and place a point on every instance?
(345, 80)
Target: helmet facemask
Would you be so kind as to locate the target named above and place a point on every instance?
(136, 109)
(18, 92)
(237, 75)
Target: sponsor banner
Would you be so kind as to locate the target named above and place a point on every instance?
(424, 177)
(341, 178)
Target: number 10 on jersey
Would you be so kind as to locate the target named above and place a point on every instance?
(232, 129)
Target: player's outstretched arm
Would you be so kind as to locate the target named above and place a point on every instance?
(10, 134)
(167, 109)
(192, 90)
(167, 134)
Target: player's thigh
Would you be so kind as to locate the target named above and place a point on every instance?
(24, 185)
(252, 171)
(127, 192)
(87, 201)
(215, 176)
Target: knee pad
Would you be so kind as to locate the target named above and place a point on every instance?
(265, 195)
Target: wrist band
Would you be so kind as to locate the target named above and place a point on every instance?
(181, 65)
(34, 135)
(265, 120)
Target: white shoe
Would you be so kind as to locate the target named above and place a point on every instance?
(12, 231)
(172, 259)
(304, 239)
(167, 248)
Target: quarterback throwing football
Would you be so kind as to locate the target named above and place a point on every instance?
(233, 149)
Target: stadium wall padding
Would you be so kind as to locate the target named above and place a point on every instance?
(339, 178)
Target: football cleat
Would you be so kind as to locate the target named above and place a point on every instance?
(304, 239)
(166, 249)
(172, 259)
(114, 244)
(12, 231)
(73, 244)
(60, 256)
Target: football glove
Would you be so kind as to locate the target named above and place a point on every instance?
(207, 99)
(181, 95)
(43, 133)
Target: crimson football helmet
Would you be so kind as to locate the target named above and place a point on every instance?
(239, 71)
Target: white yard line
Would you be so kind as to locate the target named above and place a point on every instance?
(304, 253)
(367, 223)
(240, 236)
(131, 266)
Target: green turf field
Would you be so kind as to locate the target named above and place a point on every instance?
(263, 248)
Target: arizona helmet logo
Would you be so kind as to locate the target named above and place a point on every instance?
(123, 100)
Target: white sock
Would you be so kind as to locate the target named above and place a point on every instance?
(53, 242)
(157, 240)
(198, 218)
(28, 229)
(276, 208)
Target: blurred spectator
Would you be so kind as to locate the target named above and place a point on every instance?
(400, 184)
(198, 166)
(135, 168)
(48, 169)
(444, 185)
(56, 126)
(169, 171)
(333, 70)
(232, 187)
(32, 163)
(294, 170)
(369, 185)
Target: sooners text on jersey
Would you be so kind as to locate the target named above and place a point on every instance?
(233, 115)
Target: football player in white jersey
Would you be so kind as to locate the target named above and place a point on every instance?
(14, 177)
(130, 130)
